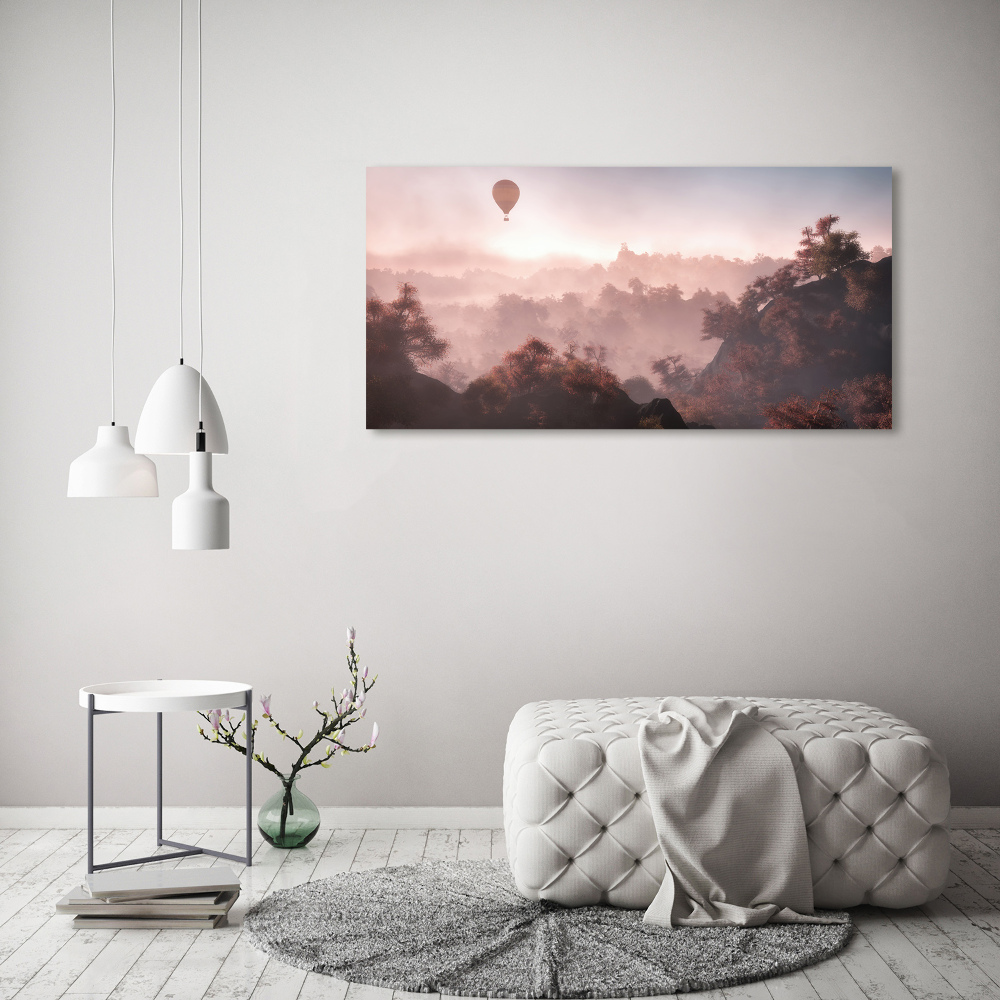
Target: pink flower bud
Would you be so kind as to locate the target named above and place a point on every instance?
(351, 634)
(374, 734)
(265, 702)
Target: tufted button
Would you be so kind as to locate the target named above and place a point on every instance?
(569, 795)
(604, 829)
(638, 795)
(902, 861)
(638, 861)
(869, 828)
(836, 795)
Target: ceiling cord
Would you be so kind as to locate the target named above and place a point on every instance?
(114, 131)
(201, 331)
(180, 162)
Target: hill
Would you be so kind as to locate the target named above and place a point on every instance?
(782, 345)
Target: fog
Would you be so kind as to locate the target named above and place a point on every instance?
(624, 259)
(638, 307)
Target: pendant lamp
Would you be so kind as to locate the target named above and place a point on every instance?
(200, 515)
(181, 415)
(112, 468)
(169, 420)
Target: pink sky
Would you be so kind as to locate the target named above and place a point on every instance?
(443, 219)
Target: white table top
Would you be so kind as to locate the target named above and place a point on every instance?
(165, 695)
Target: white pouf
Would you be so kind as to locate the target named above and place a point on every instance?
(579, 831)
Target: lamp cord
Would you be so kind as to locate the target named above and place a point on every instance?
(114, 131)
(201, 330)
(180, 162)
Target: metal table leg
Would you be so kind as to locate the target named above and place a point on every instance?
(185, 850)
(90, 784)
(248, 731)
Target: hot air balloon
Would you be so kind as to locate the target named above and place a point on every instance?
(505, 194)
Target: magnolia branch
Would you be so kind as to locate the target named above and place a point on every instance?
(349, 709)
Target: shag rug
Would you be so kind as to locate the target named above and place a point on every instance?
(461, 927)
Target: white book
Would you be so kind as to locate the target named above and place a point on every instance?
(150, 883)
(113, 922)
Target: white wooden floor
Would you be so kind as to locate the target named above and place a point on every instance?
(949, 948)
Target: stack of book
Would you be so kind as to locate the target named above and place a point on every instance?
(175, 897)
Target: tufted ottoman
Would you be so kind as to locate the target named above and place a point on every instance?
(579, 831)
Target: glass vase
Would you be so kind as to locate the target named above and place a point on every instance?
(289, 818)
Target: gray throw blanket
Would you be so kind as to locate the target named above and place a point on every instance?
(728, 818)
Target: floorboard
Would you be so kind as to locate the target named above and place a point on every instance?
(475, 845)
(499, 846)
(407, 847)
(948, 948)
(442, 845)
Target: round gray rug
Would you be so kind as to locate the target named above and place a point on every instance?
(460, 927)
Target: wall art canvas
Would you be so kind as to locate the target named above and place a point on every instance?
(658, 298)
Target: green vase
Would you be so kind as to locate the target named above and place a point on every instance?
(289, 818)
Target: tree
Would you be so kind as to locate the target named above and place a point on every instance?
(489, 392)
(732, 394)
(780, 282)
(862, 288)
(726, 320)
(674, 375)
(796, 412)
(590, 379)
(578, 389)
(738, 319)
(824, 249)
(868, 401)
(528, 368)
(399, 338)
(399, 334)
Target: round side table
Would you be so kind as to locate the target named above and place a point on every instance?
(161, 696)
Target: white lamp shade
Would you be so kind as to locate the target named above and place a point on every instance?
(169, 420)
(200, 515)
(111, 468)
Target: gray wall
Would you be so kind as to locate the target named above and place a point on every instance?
(481, 570)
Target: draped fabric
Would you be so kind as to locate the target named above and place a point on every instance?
(728, 818)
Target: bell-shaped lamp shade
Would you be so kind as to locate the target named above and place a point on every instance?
(200, 515)
(111, 468)
(169, 420)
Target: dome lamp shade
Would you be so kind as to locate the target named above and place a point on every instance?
(111, 468)
(169, 421)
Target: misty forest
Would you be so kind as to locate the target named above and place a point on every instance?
(655, 341)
